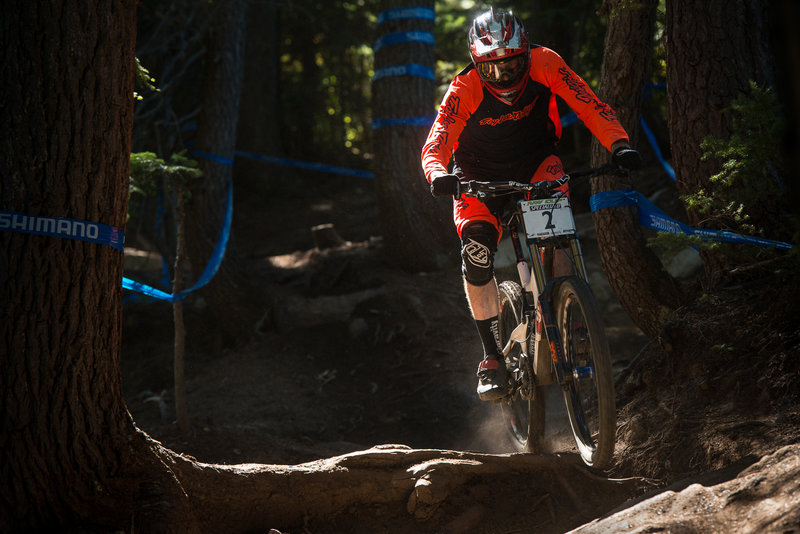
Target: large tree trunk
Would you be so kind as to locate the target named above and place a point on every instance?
(234, 306)
(713, 49)
(418, 230)
(260, 124)
(647, 293)
(65, 432)
(787, 51)
(259, 127)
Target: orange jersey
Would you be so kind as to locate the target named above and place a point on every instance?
(489, 139)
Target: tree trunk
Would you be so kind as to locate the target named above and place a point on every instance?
(787, 51)
(647, 293)
(418, 230)
(68, 442)
(259, 129)
(233, 302)
(705, 72)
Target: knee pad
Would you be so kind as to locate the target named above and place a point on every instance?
(478, 245)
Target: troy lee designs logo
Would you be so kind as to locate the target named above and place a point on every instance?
(444, 119)
(513, 116)
(555, 169)
(477, 254)
(583, 94)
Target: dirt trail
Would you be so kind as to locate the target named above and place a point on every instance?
(399, 368)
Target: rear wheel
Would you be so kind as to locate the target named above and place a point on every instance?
(524, 411)
(589, 388)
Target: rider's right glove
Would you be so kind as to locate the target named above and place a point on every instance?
(443, 185)
(627, 158)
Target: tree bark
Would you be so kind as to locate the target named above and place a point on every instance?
(646, 292)
(418, 229)
(260, 126)
(66, 435)
(234, 303)
(713, 49)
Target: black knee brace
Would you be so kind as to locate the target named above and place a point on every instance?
(478, 245)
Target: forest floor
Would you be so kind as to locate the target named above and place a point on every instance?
(396, 363)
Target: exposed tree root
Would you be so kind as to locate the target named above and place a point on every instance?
(415, 490)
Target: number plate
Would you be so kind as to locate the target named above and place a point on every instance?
(547, 217)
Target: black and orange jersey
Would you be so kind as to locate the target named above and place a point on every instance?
(489, 139)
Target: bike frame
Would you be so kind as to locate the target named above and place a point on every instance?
(532, 273)
(538, 228)
(540, 289)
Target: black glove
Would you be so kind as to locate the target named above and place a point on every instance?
(444, 185)
(627, 158)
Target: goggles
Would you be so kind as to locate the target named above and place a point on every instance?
(502, 72)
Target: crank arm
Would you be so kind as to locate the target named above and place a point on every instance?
(518, 335)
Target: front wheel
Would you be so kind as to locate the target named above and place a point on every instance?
(589, 386)
(524, 411)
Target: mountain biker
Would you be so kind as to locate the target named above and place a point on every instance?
(499, 120)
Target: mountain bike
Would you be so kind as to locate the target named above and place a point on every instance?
(549, 326)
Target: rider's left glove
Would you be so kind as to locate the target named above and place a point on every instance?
(627, 158)
(444, 185)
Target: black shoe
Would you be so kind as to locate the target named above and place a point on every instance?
(492, 384)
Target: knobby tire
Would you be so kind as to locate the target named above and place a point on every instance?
(524, 418)
(590, 399)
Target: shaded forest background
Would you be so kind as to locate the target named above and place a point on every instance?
(308, 68)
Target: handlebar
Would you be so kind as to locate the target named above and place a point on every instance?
(483, 190)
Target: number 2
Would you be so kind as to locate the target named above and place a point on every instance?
(549, 215)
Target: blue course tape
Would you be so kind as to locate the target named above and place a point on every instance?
(652, 138)
(407, 121)
(651, 216)
(648, 87)
(613, 199)
(209, 271)
(213, 157)
(404, 70)
(649, 133)
(569, 118)
(144, 289)
(284, 161)
(91, 232)
(305, 165)
(414, 36)
(425, 13)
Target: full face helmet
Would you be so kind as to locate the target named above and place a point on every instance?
(498, 44)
